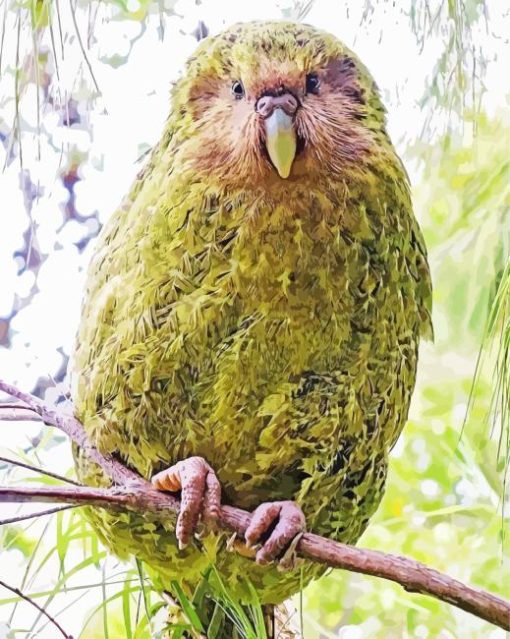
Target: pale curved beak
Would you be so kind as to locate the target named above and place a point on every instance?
(281, 141)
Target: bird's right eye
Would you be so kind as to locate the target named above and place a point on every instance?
(237, 90)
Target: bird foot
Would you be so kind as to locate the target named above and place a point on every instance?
(284, 522)
(200, 495)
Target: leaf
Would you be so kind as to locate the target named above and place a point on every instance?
(187, 606)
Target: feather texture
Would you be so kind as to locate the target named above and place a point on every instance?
(271, 326)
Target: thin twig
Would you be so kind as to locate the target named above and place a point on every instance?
(80, 43)
(41, 513)
(18, 592)
(134, 493)
(72, 427)
(17, 413)
(4, 20)
(36, 469)
(28, 565)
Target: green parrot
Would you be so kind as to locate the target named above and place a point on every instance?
(253, 311)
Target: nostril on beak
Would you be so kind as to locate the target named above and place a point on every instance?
(290, 104)
(264, 106)
(268, 103)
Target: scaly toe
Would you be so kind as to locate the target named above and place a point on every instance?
(200, 495)
(289, 520)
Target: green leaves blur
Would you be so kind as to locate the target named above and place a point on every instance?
(464, 200)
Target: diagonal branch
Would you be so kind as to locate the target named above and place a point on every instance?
(18, 592)
(17, 413)
(134, 493)
(41, 513)
(36, 469)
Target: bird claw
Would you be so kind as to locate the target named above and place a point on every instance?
(200, 495)
(290, 559)
(234, 544)
(231, 543)
(286, 521)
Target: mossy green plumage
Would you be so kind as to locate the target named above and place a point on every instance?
(268, 325)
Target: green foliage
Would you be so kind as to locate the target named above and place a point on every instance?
(15, 536)
(498, 336)
(465, 190)
(464, 197)
(456, 82)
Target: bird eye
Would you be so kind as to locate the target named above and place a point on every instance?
(312, 83)
(237, 90)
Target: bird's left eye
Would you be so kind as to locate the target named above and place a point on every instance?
(237, 90)
(312, 83)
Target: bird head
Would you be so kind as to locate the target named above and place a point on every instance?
(273, 102)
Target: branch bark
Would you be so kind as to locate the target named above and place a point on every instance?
(134, 493)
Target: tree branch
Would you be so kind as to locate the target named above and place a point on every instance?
(18, 592)
(17, 413)
(40, 513)
(134, 493)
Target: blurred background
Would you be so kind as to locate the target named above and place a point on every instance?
(83, 94)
